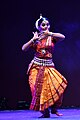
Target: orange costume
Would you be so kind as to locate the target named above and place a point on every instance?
(46, 83)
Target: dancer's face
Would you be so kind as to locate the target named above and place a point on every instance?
(44, 25)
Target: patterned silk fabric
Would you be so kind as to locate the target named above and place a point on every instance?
(46, 83)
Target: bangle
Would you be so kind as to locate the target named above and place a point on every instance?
(32, 40)
(51, 34)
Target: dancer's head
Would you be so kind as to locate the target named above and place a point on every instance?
(42, 23)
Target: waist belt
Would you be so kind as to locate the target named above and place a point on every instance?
(43, 62)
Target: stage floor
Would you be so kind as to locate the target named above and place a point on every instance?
(68, 114)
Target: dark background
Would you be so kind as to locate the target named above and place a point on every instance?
(17, 24)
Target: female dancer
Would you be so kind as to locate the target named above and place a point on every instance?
(46, 83)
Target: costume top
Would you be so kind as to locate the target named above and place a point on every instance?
(44, 47)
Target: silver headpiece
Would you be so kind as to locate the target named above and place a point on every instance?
(36, 24)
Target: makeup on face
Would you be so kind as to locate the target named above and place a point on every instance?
(45, 23)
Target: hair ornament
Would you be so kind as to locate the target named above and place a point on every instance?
(36, 24)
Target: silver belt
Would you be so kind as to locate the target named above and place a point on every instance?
(43, 62)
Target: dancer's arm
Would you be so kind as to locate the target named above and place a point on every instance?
(29, 43)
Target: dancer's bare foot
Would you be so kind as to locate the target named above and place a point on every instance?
(54, 111)
(58, 114)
